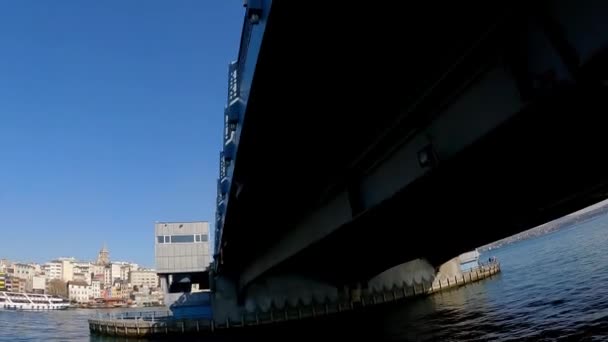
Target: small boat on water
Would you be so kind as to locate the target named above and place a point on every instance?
(31, 302)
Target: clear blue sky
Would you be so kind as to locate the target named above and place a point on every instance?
(111, 119)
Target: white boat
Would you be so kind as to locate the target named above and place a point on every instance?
(31, 301)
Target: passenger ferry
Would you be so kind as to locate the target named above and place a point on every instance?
(30, 301)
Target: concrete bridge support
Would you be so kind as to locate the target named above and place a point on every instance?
(225, 300)
(412, 272)
(276, 292)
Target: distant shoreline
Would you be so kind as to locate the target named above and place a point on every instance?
(547, 228)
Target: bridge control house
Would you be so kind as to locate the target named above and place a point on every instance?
(182, 261)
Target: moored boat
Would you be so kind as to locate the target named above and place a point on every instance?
(31, 302)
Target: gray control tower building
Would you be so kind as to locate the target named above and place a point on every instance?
(182, 260)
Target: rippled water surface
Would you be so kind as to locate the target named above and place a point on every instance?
(65, 325)
(551, 288)
(34, 326)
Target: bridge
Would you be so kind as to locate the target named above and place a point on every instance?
(358, 138)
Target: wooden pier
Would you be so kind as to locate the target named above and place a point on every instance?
(155, 324)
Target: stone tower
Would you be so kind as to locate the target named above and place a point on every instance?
(103, 258)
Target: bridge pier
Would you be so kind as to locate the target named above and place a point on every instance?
(225, 300)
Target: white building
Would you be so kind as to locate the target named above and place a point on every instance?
(142, 278)
(82, 271)
(111, 273)
(52, 270)
(24, 271)
(79, 291)
(38, 284)
(97, 269)
(67, 269)
(37, 268)
(115, 271)
(82, 277)
(95, 291)
(125, 269)
(124, 272)
(107, 276)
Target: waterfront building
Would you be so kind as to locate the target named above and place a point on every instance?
(67, 269)
(2, 281)
(37, 268)
(120, 289)
(38, 284)
(61, 268)
(182, 262)
(9, 283)
(98, 278)
(52, 270)
(24, 271)
(4, 265)
(97, 270)
(143, 278)
(107, 276)
(124, 272)
(115, 272)
(82, 271)
(82, 277)
(14, 284)
(95, 289)
(125, 269)
(79, 291)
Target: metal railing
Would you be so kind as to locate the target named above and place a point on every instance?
(138, 315)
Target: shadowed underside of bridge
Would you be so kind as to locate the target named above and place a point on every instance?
(525, 174)
(345, 101)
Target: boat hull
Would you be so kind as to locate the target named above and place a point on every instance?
(32, 307)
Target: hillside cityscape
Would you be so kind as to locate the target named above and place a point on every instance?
(101, 283)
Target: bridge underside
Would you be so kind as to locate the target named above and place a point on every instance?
(543, 164)
(345, 103)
